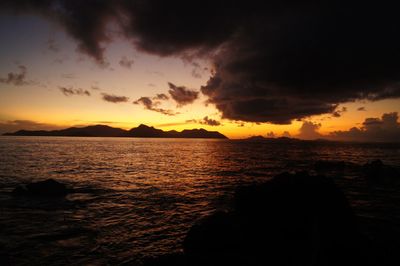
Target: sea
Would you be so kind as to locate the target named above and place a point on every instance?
(136, 198)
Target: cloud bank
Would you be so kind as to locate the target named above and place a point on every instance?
(384, 129)
(273, 61)
(373, 129)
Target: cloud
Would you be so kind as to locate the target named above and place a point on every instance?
(271, 134)
(69, 91)
(210, 122)
(362, 108)
(68, 76)
(205, 121)
(286, 134)
(52, 46)
(15, 125)
(125, 62)
(338, 113)
(161, 97)
(114, 98)
(151, 105)
(197, 70)
(182, 95)
(16, 79)
(95, 88)
(273, 61)
(309, 130)
(384, 129)
(172, 124)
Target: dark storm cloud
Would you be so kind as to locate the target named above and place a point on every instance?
(182, 95)
(384, 129)
(17, 79)
(125, 62)
(273, 61)
(69, 91)
(151, 105)
(114, 98)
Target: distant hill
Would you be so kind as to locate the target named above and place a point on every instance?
(278, 140)
(284, 140)
(141, 131)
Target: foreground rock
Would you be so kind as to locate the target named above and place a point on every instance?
(295, 219)
(377, 173)
(46, 188)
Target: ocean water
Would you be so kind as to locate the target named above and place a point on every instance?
(137, 198)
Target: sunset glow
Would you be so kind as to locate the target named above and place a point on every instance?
(48, 61)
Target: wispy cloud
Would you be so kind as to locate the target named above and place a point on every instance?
(95, 88)
(15, 125)
(68, 76)
(126, 62)
(114, 98)
(204, 121)
(338, 113)
(151, 105)
(17, 79)
(172, 124)
(161, 97)
(70, 91)
(52, 46)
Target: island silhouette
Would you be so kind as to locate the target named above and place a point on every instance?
(142, 131)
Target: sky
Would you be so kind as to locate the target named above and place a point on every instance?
(288, 69)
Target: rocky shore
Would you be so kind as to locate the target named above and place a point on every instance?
(294, 219)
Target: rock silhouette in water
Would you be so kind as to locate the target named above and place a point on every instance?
(378, 173)
(324, 166)
(294, 219)
(46, 188)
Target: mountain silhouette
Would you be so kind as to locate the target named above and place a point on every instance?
(142, 131)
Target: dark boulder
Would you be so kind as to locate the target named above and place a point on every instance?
(295, 219)
(215, 236)
(175, 259)
(377, 173)
(46, 188)
(328, 166)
